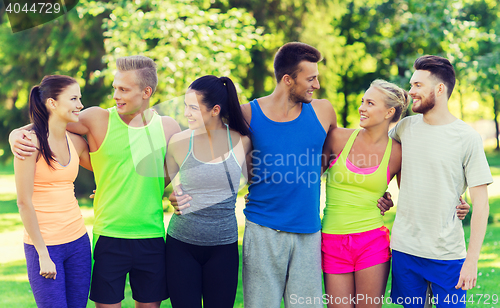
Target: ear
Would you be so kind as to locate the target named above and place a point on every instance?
(147, 93)
(288, 80)
(390, 113)
(440, 89)
(215, 111)
(51, 104)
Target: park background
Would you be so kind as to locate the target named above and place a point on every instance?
(360, 40)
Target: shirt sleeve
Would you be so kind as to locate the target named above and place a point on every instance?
(396, 132)
(477, 170)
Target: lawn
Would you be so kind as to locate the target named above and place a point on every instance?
(15, 290)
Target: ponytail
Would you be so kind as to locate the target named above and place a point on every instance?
(222, 92)
(235, 118)
(50, 87)
(39, 116)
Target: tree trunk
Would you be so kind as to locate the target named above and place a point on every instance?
(495, 113)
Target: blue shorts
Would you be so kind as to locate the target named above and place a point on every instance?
(411, 274)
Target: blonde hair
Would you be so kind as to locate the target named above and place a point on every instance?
(145, 67)
(396, 97)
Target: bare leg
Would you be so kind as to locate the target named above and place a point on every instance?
(99, 305)
(340, 289)
(147, 305)
(370, 285)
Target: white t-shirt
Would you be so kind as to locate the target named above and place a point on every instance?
(439, 162)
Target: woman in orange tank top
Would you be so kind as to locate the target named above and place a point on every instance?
(57, 246)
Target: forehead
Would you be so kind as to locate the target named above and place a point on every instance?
(308, 68)
(126, 79)
(73, 89)
(192, 98)
(421, 76)
(374, 94)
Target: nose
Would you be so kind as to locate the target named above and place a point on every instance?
(316, 83)
(115, 95)
(412, 91)
(187, 113)
(80, 105)
(362, 107)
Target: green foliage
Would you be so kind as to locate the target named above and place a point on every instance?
(185, 41)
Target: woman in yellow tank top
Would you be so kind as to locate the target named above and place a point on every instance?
(57, 246)
(355, 244)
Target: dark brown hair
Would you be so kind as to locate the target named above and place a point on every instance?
(289, 56)
(50, 87)
(439, 67)
(221, 91)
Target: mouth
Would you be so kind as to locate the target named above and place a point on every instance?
(362, 117)
(119, 105)
(310, 92)
(77, 113)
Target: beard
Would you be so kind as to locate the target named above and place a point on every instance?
(296, 98)
(425, 104)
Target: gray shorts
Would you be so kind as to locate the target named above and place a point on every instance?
(281, 265)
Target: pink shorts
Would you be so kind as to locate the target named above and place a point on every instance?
(347, 253)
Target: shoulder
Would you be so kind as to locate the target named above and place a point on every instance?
(94, 112)
(170, 127)
(236, 138)
(93, 116)
(169, 122)
(465, 129)
(179, 138)
(322, 105)
(337, 138)
(78, 141)
(246, 109)
(341, 134)
(34, 139)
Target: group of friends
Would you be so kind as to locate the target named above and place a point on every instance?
(134, 153)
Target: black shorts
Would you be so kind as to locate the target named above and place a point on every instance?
(143, 259)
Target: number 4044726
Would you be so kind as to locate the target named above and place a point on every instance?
(35, 8)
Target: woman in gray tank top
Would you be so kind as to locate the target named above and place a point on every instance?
(207, 160)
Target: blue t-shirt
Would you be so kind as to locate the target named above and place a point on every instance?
(285, 190)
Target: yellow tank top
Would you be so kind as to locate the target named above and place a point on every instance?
(351, 198)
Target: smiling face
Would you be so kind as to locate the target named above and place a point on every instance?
(305, 83)
(68, 104)
(422, 91)
(373, 110)
(197, 114)
(129, 97)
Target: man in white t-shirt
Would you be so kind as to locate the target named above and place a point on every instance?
(442, 156)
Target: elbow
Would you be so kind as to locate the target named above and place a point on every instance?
(22, 205)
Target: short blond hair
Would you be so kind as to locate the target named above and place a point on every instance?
(145, 67)
(396, 97)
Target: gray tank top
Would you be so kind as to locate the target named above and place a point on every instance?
(210, 220)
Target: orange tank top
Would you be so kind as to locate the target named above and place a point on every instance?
(59, 216)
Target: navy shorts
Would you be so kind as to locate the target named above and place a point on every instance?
(411, 274)
(142, 259)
